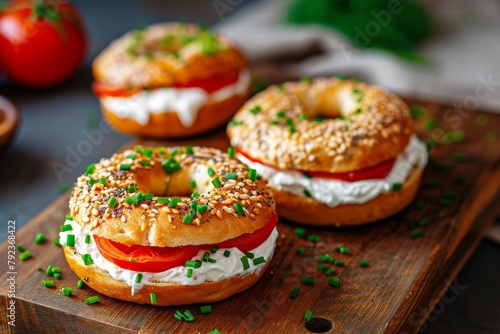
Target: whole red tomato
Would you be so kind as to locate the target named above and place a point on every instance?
(41, 42)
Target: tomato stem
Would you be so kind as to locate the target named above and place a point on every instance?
(44, 10)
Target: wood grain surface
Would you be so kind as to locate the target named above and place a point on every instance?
(405, 278)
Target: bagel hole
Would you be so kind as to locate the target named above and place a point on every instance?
(333, 104)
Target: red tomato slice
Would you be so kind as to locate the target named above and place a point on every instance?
(158, 259)
(379, 171)
(146, 258)
(249, 241)
(210, 85)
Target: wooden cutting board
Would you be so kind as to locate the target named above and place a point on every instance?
(404, 280)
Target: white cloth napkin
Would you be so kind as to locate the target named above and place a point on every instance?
(465, 50)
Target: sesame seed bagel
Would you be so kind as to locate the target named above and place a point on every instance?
(335, 152)
(363, 126)
(170, 80)
(166, 293)
(142, 197)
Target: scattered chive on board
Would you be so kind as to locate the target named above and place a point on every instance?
(294, 293)
(39, 239)
(308, 315)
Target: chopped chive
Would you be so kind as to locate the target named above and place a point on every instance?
(235, 122)
(252, 174)
(48, 283)
(173, 202)
(292, 128)
(211, 260)
(420, 203)
(79, 284)
(192, 184)
(356, 90)
(138, 278)
(230, 176)
(322, 258)
(300, 250)
(307, 192)
(214, 331)
(92, 181)
(87, 259)
(300, 232)
(189, 149)
(25, 255)
(139, 196)
(308, 315)
(193, 263)
(342, 77)
(104, 181)
(56, 242)
(131, 200)
(294, 293)
(148, 151)
(458, 136)
(417, 233)
(309, 280)
(163, 200)
(330, 271)
(430, 125)
(459, 157)
(343, 250)
(70, 240)
(125, 167)
(239, 208)
(339, 263)
(189, 316)
(396, 187)
(227, 253)
(90, 169)
(211, 171)
(460, 179)
(112, 202)
(280, 113)
(317, 119)
(250, 255)
(146, 163)
(149, 196)
(131, 156)
(91, 300)
(312, 238)
(179, 315)
(206, 309)
(39, 239)
(255, 109)
(132, 188)
(66, 227)
(138, 149)
(189, 272)
(258, 260)
(214, 249)
(359, 110)
(445, 201)
(216, 182)
(20, 248)
(39, 268)
(418, 111)
(57, 275)
(244, 262)
(188, 218)
(423, 221)
(305, 79)
(432, 184)
(193, 205)
(67, 291)
(333, 281)
(171, 165)
(195, 194)
(230, 152)
(322, 267)
(201, 209)
(329, 258)
(48, 272)
(152, 297)
(363, 263)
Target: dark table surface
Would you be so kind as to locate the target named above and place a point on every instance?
(55, 121)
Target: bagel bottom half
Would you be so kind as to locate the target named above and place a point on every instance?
(167, 124)
(166, 293)
(308, 211)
